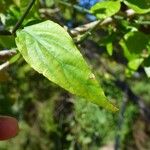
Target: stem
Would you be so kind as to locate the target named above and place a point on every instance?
(23, 16)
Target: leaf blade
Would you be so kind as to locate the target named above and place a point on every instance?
(57, 58)
(105, 9)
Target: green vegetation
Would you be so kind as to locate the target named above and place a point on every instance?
(66, 67)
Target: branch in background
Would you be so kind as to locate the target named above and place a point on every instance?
(84, 36)
(130, 12)
(23, 16)
(48, 11)
(12, 60)
(6, 54)
(78, 30)
(86, 27)
(4, 66)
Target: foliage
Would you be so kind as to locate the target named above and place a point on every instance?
(110, 53)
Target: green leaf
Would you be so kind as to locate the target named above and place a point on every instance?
(133, 65)
(105, 9)
(134, 44)
(109, 47)
(139, 6)
(49, 3)
(108, 42)
(49, 49)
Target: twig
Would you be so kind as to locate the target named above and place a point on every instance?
(12, 60)
(23, 16)
(4, 66)
(130, 12)
(83, 28)
(6, 54)
(49, 11)
(80, 38)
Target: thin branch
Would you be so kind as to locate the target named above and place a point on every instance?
(12, 60)
(86, 27)
(6, 54)
(49, 11)
(130, 12)
(81, 38)
(4, 66)
(78, 30)
(23, 16)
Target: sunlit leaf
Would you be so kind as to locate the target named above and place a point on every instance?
(49, 49)
(139, 6)
(133, 65)
(105, 9)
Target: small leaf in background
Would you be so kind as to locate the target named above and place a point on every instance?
(139, 6)
(134, 44)
(49, 3)
(49, 49)
(108, 41)
(109, 47)
(105, 9)
(133, 65)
